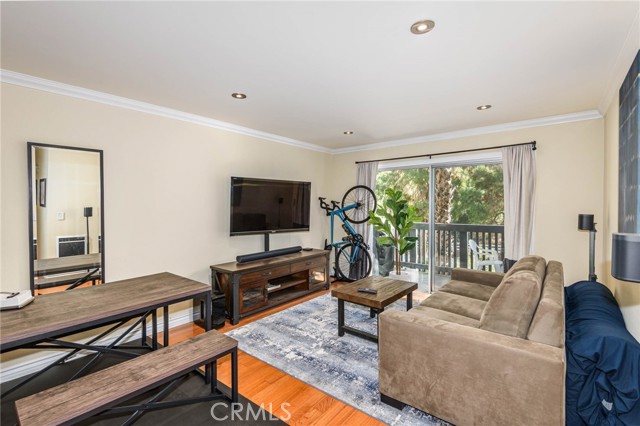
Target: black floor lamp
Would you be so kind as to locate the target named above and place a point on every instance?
(586, 223)
(88, 212)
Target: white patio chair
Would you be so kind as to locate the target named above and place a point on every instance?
(485, 257)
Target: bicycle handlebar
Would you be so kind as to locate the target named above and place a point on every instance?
(335, 205)
(323, 204)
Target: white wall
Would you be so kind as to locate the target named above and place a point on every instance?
(72, 183)
(570, 182)
(166, 185)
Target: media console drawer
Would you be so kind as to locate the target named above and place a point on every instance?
(308, 264)
(265, 274)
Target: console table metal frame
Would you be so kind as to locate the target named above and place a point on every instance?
(51, 317)
(90, 263)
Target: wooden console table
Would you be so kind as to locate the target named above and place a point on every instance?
(253, 286)
(57, 265)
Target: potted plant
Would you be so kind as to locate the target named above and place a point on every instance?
(393, 220)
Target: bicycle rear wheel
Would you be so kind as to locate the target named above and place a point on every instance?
(366, 200)
(353, 262)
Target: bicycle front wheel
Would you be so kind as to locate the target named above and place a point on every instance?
(353, 262)
(364, 198)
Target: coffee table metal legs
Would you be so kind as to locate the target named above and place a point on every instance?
(346, 329)
(372, 313)
(340, 317)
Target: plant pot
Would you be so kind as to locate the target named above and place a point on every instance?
(385, 257)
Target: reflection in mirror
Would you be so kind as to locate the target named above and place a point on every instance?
(65, 217)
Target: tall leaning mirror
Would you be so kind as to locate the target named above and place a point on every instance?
(66, 220)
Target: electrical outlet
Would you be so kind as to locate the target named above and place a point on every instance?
(60, 215)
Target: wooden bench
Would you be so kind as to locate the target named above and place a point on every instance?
(97, 392)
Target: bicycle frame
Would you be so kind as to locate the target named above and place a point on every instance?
(350, 231)
(346, 224)
(351, 248)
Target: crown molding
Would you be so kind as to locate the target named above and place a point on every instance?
(476, 131)
(24, 80)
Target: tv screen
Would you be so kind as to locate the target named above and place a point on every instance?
(262, 206)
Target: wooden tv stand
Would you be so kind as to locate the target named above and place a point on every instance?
(254, 286)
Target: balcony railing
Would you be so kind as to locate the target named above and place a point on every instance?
(452, 245)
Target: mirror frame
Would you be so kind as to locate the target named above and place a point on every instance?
(30, 146)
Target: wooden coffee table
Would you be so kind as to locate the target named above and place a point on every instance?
(389, 290)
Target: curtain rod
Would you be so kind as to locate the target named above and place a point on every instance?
(532, 143)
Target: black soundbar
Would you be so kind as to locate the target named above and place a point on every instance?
(267, 254)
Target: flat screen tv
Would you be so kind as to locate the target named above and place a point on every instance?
(261, 206)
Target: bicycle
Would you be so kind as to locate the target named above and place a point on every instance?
(352, 258)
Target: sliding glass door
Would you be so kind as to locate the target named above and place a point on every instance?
(462, 211)
(414, 184)
(468, 219)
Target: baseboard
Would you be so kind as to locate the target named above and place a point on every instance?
(44, 358)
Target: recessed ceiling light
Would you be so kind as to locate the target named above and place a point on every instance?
(239, 95)
(422, 27)
(348, 132)
(483, 107)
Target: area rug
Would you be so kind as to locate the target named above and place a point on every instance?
(303, 342)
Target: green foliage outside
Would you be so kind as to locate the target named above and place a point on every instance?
(465, 194)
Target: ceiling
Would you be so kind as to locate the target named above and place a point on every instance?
(312, 70)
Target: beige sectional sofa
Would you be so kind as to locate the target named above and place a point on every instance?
(487, 349)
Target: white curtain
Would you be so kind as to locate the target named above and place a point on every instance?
(519, 168)
(367, 173)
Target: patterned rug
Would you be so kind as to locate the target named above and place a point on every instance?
(303, 342)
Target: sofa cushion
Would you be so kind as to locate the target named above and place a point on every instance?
(492, 279)
(456, 304)
(472, 290)
(445, 316)
(536, 264)
(547, 324)
(510, 309)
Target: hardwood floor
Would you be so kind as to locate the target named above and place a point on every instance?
(270, 387)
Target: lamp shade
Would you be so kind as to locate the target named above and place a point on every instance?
(585, 222)
(625, 257)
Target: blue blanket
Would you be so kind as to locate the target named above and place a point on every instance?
(603, 359)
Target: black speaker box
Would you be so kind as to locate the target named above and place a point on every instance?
(218, 311)
(585, 222)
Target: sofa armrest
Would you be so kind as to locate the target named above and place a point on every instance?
(466, 375)
(479, 277)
